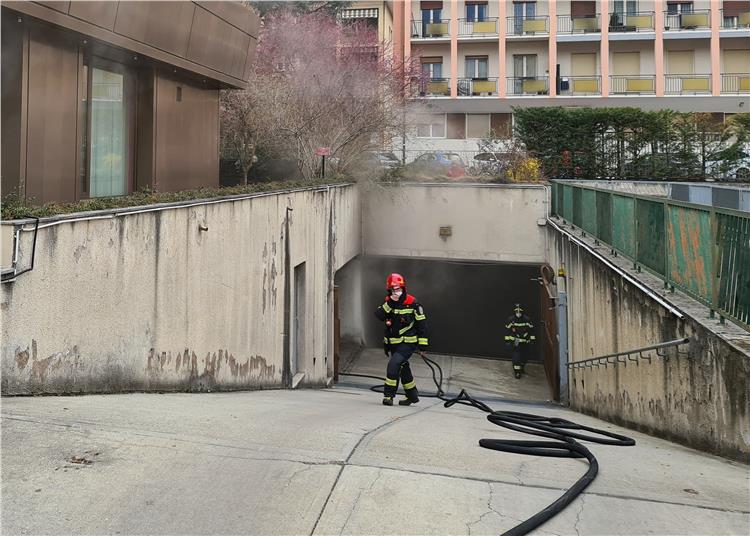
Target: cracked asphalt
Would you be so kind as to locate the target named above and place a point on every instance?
(336, 461)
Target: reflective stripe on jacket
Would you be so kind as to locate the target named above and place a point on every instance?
(520, 329)
(407, 319)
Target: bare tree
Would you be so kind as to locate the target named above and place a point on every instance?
(318, 83)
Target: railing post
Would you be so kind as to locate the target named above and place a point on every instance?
(715, 260)
(635, 232)
(665, 226)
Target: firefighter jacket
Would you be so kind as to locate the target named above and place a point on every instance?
(519, 329)
(405, 322)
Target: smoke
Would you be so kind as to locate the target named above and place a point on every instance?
(467, 303)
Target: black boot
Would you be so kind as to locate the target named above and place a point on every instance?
(412, 397)
(387, 401)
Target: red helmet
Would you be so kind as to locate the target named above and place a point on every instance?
(395, 280)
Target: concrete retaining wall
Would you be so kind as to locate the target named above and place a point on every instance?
(496, 223)
(699, 399)
(149, 301)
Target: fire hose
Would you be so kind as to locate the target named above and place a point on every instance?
(563, 441)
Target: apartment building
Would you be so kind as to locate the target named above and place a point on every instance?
(482, 58)
(378, 15)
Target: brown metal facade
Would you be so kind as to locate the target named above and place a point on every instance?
(173, 58)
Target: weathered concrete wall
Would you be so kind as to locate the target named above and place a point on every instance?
(699, 399)
(495, 223)
(149, 301)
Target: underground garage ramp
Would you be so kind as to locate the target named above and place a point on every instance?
(467, 303)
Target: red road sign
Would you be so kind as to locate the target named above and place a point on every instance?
(323, 151)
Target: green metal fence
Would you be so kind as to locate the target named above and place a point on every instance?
(701, 250)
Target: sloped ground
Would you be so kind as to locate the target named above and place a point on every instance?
(336, 461)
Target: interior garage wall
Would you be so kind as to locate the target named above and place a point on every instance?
(466, 303)
(349, 283)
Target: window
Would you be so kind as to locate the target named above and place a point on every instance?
(476, 12)
(629, 7)
(476, 67)
(673, 8)
(432, 69)
(431, 126)
(477, 125)
(430, 16)
(521, 11)
(108, 147)
(524, 65)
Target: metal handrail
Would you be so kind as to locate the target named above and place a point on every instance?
(429, 30)
(630, 355)
(479, 28)
(698, 19)
(575, 24)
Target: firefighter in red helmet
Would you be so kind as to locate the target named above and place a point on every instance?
(405, 332)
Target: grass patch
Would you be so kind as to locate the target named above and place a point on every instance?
(14, 208)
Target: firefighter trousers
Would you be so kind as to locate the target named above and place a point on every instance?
(398, 368)
(519, 357)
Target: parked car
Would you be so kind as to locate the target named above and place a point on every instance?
(438, 164)
(384, 159)
(488, 164)
(739, 170)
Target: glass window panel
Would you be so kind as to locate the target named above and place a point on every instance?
(482, 68)
(477, 125)
(107, 163)
(438, 126)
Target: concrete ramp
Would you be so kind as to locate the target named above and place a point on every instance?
(480, 377)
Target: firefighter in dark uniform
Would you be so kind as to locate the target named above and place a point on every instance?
(405, 333)
(519, 334)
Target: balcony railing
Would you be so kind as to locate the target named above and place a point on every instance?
(568, 24)
(477, 28)
(633, 84)
(477, 87)
(528, 85)
(735, 21)
(735, 83)
(427, 30)
(696, 20)
(435, 87)
(580, 85)
(642, 21)
(528, 25)
(687, 84)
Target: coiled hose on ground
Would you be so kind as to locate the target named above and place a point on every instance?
(564, 436)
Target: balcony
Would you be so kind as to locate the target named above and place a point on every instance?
(477, 87)
(735, 83)
(567, 24)
(632, 84)
(580, 85)
(431, 30)
(687, 84)
(528, 26)
(435, 87)
(642, 21)
(478, 28)
(696, 20)
(735, 21)
(528, 85)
